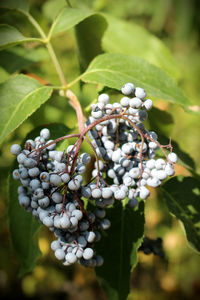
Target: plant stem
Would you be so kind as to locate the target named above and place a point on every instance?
(68, 93)
(35, 24)
(56, 63)
(76, 105)
(49, 48)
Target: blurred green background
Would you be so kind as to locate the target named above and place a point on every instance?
(177, 24)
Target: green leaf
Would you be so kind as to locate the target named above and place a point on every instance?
(18, 58)
(161, 121)
(68, 18)
(20, 96)
(10, 36)
(130, 38)
(22, 230)
(89, 33)
(22, 224)
(118, 247)
(20, 5)
(182, 196)
(114, 70)
(50, 9)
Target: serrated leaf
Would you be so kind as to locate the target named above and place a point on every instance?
(18, 58)
(68, 18)
(22, 230)
(20, 96)
(118, 247)
(89, 33)
(20, 5)
(114, 70)
(10, 36)
(182, 196)
(130, 38)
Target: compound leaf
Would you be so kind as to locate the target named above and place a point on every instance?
(10, 36)
(20, 96)
(118, 247)
(114, 70)
(182, 196)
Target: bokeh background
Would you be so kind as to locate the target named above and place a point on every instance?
(177, 276)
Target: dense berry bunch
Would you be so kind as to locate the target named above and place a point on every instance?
(125, 148)
(54, 196)
(52, 185)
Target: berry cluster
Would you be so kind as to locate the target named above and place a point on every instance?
(53, 194)
(52, 185)
(125, 148)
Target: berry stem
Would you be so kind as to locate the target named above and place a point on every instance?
(161, 147)
(56, 141)
(82, 207)
(96, 157)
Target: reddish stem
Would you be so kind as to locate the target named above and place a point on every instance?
(76, 105)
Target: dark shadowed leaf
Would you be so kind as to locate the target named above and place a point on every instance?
(89, 33)
(20, 96)
(18, 58)
(68, 18)
(161, 121)
(182, 196)
(10, 36)
(22, 230)
(118, 247)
